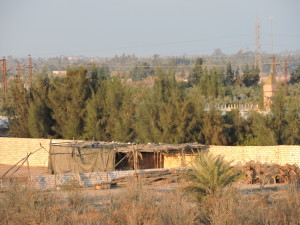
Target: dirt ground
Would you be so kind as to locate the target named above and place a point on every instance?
(159, 186)
(23, 171)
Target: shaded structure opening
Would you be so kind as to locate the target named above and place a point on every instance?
(86, 157)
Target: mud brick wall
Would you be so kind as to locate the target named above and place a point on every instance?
(177, 160)
(279, 154)
(14, 149)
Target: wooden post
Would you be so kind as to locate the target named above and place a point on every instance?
(135, 165)
(133, 154)
(137, 159)
(50, 152)
(157, 164)
(28, 169)
(155, 159)
(160, 160)
(183, 163)
(106, 169)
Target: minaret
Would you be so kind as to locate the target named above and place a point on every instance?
(270, 86)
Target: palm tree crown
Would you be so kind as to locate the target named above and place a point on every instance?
(210, 174)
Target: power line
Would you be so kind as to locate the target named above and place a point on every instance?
(204, 65)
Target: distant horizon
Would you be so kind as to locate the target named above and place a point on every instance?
(168, 28)
(149, 56)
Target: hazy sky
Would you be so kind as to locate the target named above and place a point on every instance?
(164, 27)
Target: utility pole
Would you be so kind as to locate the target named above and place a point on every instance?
(4, 81)
(285, 77)
(271, 22)
(30, 70)
(18, 76)
(258, 61)
(274, 67)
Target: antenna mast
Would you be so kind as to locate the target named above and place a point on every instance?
(258, 61)
(18, 76)
(285, 77)
(4, 81)
(272, 49)
(30, 70)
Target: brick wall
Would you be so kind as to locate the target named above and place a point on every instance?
(14, 149)
(279, 154)
(83, 179)
(176, 160)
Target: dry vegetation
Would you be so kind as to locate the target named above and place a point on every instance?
(140, 204)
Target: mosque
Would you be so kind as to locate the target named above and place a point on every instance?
(269, 89)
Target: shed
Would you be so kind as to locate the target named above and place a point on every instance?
(85, 157)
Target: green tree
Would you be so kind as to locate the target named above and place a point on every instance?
(238, 80)
(260, 133)
(229, 75)
(39, 113)
(210, 175)
(20, 103)
(140, 72)
(96, 116)
(68, 97)
(211, 83)
(96, 75)
(110, 112)
(213, 129)
(291, 132)
(295, 76)
(153, 110)
(190, 122)
(196, 73)
(119, 105)
(278, 116)
(166, 115)
(251, 76)
(235, 126)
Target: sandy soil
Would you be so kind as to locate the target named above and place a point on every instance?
(23, 171)
(159, 186)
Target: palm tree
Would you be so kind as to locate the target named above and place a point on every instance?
(210, 174)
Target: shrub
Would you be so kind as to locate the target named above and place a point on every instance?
(210, 174)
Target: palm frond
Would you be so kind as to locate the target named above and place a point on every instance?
(210, 174)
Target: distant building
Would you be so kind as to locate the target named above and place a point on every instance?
(269, 90)
(245, 109)
(59, 73)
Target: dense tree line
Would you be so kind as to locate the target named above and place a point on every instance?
(88, 103)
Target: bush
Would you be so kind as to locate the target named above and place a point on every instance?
(210, 174)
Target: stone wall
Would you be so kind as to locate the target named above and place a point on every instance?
(14, 149)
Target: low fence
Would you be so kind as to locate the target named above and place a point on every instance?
(83, 179)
